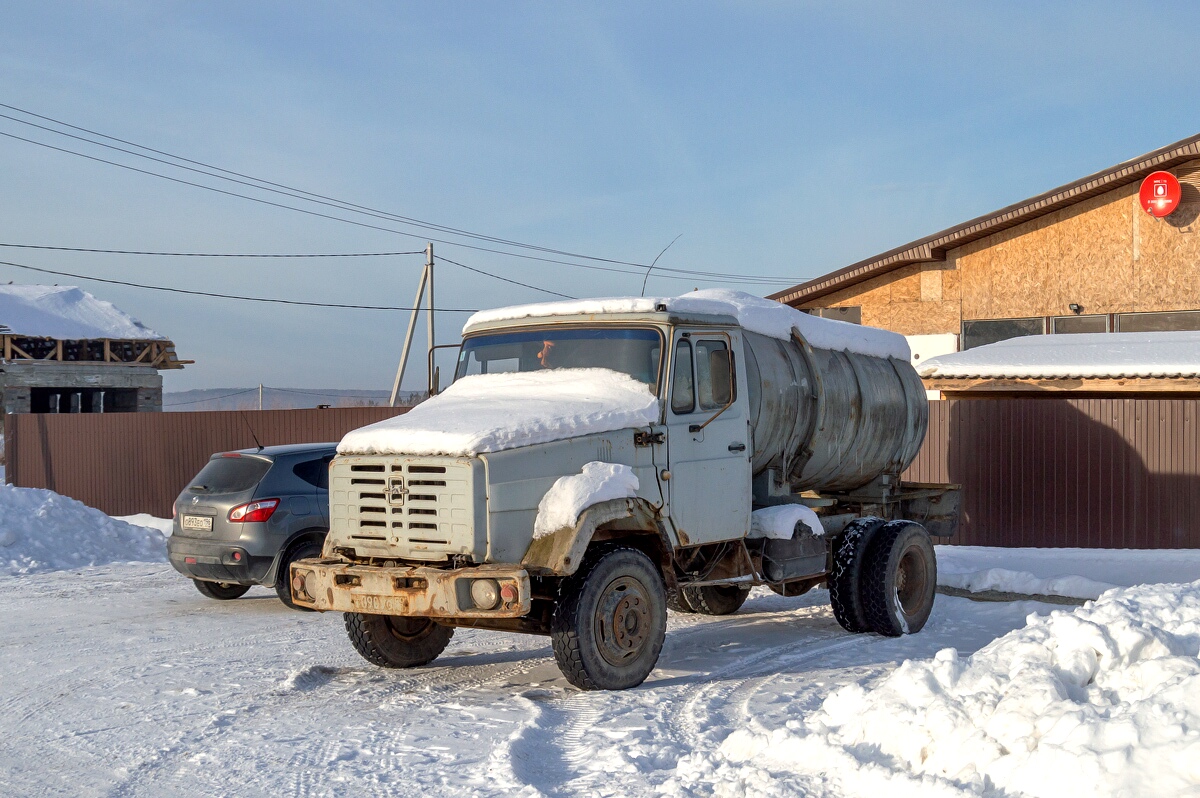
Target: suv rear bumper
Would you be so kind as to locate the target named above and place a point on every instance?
(334, 585)
(215, 561)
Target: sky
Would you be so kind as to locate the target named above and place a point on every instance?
(766, 139)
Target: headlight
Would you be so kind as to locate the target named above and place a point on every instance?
(485, 593)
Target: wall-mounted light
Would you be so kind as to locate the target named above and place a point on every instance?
(1076, 308)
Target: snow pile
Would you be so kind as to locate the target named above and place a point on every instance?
(1109, 355)
(164, 525)
(763, 316)
(569, 496)
(779, 522)
(43, 531)
(1006, 581)
(493, 412)
(1104, 701)
(66, 313)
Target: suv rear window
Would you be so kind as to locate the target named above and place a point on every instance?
(230, 475)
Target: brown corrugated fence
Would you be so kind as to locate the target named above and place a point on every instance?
(1113, 473)
(1108, 473)
(125, 463)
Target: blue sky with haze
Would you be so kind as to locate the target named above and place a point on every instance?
(782, 139)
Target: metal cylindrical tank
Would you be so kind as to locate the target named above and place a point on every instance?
(831, 420)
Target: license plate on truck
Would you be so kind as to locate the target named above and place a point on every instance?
(200, 523)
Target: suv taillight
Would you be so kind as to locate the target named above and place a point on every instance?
(260, 510)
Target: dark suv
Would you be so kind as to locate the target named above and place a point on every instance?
(248, 514)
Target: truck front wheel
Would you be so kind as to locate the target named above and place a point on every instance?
(396, 642)
(609, 625)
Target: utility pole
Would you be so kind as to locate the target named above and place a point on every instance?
(426, 277)
(260, 396)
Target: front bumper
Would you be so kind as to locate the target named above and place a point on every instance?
(334, 585)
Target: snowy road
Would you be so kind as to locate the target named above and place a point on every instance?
(124, 681)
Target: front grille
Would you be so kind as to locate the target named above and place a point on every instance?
(402, 507)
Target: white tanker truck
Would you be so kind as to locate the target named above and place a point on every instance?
(596, 462)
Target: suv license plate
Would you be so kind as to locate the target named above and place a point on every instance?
(202, 523)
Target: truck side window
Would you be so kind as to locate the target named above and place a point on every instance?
(714, 374)
(683, 394)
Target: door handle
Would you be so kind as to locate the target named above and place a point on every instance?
(737, 447)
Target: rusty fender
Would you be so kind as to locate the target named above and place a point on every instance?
(561, 552)
(334, 585)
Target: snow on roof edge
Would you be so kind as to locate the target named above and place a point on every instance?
(67, 313)
(1151, 355)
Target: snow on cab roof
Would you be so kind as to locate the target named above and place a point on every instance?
(1105, 355)
(763, 316)
(67, 314)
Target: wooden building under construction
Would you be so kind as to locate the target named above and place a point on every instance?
(65, 351)
(1081, 258)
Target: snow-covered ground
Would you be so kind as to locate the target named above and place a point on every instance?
(1077, 573)
(121, 679)
(133, 684)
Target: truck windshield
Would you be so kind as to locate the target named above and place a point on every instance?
(635, 352)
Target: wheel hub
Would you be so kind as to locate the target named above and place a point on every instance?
(911, 580)
(622, 620)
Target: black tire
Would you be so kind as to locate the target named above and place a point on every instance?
(395, 642)
(791, 589)
(677, 601)
(845, 581)
(716, 599)
(609, 625)
(221, 591)
(283, 580)
(900, 579)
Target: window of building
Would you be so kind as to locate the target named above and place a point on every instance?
(83, 400)
(980, 332)
(850, 314)
(1158, 322)
(1079, 324)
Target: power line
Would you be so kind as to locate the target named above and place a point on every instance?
(354, 208)
(214, 254)
(505, 279)
(232, 255)
(208, 399)
(227, 296)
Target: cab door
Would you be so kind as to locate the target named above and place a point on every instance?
(708, 438)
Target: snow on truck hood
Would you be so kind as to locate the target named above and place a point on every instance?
(493, 412)
(763, 316)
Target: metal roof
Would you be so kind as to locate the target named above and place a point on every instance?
(934, 248)
(1141, 355)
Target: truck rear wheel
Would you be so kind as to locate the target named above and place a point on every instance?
(846, 579)
(716, 599)
(900, 579)
(609, 626)
(677, 601)
(396, 642)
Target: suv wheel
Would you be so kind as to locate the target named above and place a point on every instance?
(222, 591)
(283, 581)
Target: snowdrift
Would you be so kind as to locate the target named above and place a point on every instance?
(43, 531)
(1103, 701)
